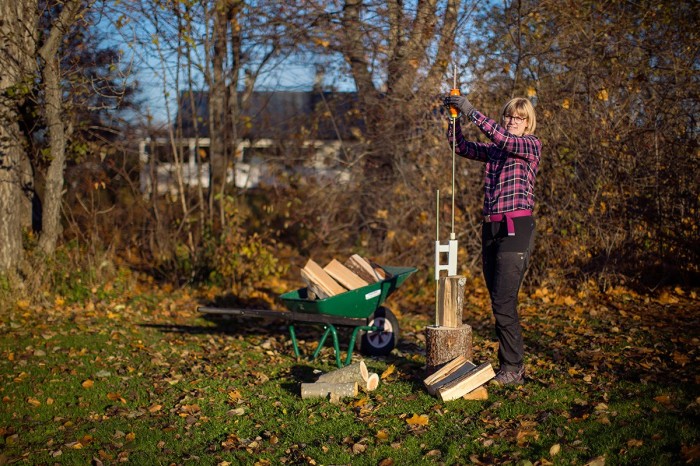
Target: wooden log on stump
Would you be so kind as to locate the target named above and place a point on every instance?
(443, 344)
(450, 301)
(332, 390)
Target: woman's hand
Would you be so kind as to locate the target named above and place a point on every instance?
(460, 102)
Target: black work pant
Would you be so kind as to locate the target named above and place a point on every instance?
(504, 260)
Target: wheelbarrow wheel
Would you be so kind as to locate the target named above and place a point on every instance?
(380, 342)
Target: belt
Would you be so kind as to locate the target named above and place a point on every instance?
(508, 216)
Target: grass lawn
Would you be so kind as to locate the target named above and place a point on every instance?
(140, 377)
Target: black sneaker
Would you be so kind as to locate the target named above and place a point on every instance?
(505, 377)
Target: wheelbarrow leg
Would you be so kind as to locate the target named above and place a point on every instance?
(366, 328)
(293, 334)
(329, 329)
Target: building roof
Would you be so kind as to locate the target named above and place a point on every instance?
(323, 115)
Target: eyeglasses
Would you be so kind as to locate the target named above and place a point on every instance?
(514, 118)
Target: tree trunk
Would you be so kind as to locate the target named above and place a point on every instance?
(19, 21)
(57, 129)
(217, 103)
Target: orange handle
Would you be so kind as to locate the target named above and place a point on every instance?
(454, 112)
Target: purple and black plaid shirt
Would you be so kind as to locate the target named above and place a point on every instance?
(511, 164)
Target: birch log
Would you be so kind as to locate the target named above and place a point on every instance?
(333, 390)
(356, 372)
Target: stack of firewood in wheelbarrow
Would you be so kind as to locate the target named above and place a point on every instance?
(337, 278)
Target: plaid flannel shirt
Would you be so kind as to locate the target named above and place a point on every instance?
(511, 164)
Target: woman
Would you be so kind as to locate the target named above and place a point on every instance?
(508, 232)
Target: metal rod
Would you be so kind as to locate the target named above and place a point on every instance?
(437, 241)
(454, 144)
(437, 215)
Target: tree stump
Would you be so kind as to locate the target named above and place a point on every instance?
(443, 344)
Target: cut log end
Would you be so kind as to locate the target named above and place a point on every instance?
(372, 382)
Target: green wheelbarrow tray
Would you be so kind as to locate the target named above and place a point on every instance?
(361, 303)
(358, 303)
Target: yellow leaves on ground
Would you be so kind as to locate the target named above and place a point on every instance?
(34, 402)
(22, 304)
(418, 420)
(547, 296)
(566, 104)
(527, 432)
(234, 396)
(389, 370)
(554, 449)
(116, 397)
(155, 408)
(88, 384)
(382, 434)
(634, 443)
(680, 358)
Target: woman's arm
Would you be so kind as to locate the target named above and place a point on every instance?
(525, 147)
(471, 150)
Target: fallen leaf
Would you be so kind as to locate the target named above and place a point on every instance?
(420, 420)
(382, 435)
(88, 383)
(358, 448)
(597, 461)
(34, 402)
(115, 397)
(361, 402)
(155, 408)
(554, 449)
(389, 370)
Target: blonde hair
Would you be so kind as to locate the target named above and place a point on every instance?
(521, 107)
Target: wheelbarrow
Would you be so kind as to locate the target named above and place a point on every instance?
(375, 327)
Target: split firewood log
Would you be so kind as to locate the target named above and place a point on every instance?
(362, 268)
(318, 281)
